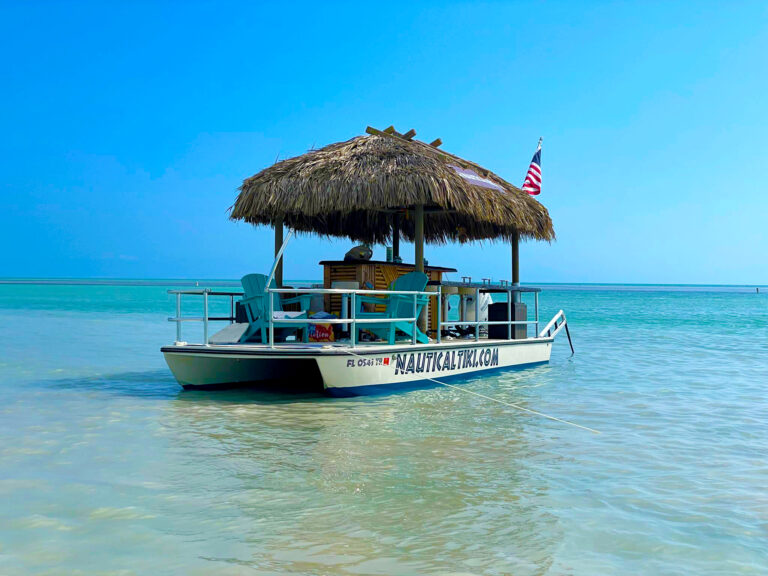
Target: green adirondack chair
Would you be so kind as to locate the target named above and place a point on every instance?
(256, 304)
(397, 306)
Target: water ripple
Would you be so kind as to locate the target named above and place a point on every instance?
(108, 467)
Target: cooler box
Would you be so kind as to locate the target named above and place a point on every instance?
(498, 312)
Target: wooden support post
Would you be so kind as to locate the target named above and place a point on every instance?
(395, 236)
(419, 256)
(419, 238)
(278, 244)
(516, 264)
(516, 259)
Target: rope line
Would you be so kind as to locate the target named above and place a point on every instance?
(502, 402)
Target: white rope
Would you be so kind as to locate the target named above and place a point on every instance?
(509, 404)
(517, 406)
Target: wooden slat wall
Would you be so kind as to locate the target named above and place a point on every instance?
(337, 273)
(380, 277)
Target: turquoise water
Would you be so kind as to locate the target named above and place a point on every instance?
(106, 466)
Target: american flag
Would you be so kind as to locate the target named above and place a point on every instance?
(532, 183)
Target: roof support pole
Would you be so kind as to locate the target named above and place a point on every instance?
(278, 246)
(516, 264)
(419, 257)
(395, 236)
(419, 239)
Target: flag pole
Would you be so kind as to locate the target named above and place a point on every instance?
(516, 253)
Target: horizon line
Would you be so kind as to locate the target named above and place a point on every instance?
(9, 280)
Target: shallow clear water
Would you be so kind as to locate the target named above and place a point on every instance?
(106, 466)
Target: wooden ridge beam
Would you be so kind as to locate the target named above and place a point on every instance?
(392, 133)
(408, 136)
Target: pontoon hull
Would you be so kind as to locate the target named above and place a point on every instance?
(343, 371)
(196, 369)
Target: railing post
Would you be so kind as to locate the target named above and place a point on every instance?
(178, 317)
(536, 308)
(509, 314)
(270, 295)
(439, 312)
(353, 325)
(415, 319)
(477, 314)
(344, 304)
(205, 317)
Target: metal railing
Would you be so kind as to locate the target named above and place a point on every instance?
(555, 325)
(353, 320)
(509, 323)
(205, 318)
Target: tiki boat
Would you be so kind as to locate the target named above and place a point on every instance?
(372, 325)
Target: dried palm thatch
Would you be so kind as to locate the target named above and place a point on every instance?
(352, 189)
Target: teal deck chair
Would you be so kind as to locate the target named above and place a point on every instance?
(256, 307)
(397, 306)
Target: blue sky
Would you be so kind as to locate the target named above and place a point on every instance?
(126, 128)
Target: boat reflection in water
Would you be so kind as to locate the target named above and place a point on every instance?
(406, 482)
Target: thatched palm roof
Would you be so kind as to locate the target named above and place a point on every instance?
(352, 189)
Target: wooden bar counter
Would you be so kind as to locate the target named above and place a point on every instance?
(373, 275)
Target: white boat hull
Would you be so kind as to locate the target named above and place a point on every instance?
(345, 371)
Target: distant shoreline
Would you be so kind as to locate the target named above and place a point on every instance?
(117, 282)
(220, 283)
